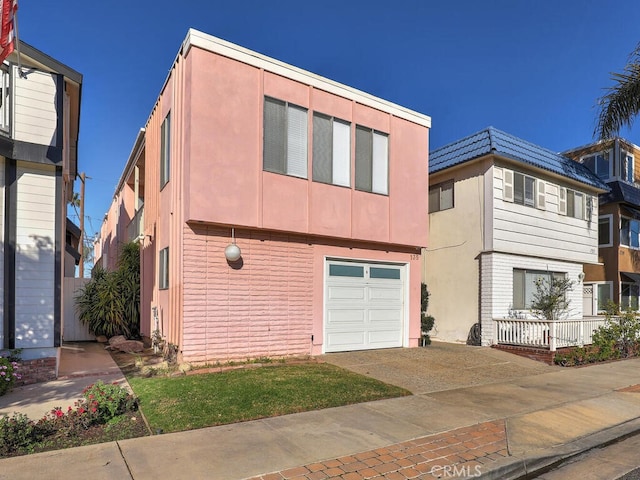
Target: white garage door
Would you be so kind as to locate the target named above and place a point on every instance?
(364, 306)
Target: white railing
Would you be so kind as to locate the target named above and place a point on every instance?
(551, 334)
(136, 225)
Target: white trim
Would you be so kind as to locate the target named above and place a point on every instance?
(404, 278)
(596, 298)
(202, 40)
(610, 217)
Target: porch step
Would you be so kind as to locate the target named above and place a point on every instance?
(533, 353)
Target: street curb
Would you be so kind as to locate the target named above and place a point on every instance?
(540, 461)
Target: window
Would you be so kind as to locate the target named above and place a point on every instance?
(630, 232)
(285, 138)
(604, 295)
(441, 197)
(346, 271)
(575, 204)
(599, 164)
(629, 296)
(4, 100)
(163, 270)
(165, 149)
(524, 189)
(626, 166)
(372, 161)
(331, 150)
(524, 285)
(605, 231)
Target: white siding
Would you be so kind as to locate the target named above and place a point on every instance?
(35, 118)
(543, 232)
(497, 286)
(35, 256)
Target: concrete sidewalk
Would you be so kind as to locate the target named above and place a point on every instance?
(499, 430)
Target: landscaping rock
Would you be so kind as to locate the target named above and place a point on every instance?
(101, 339)
(128, 346)
(117, 339)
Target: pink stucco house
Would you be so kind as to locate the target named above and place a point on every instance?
(321, 187)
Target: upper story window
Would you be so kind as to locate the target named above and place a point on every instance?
(523, 189)
(5, 95)
(626, 166)
(599, 164)
(285, 138)
(605, 231)
(331, 150)
(372, 160)
(630, 232)
(575, 204)
(163, 269)
(441, 196)
(165, 149)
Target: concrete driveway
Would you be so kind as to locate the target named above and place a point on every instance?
(440, 366)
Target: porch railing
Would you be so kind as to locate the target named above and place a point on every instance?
(134, 229)
(551, 334)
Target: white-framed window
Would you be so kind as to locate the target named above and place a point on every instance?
(599, 163)
(285, 138)
(605, 293)
(524, 285)
(5, 97)
(163, 269)
(372, 160)
(523, 189)
(441, 196)
(605, 230)
(626, 166)
(630, 232)
(575, 204)
(165, 150)
(629, 294)
(331, 150)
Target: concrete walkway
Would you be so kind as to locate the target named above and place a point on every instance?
(499, 429)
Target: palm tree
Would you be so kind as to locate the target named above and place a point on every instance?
(621, 104)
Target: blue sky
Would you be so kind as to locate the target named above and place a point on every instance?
(532, 68)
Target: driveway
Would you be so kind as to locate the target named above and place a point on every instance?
(440, 366)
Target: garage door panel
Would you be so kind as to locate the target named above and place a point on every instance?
(385, 293)
(388, 338)
(342, 292)
(392, 315)
(337, 317)
(345, 341)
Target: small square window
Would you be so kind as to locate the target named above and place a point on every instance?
(441, 197)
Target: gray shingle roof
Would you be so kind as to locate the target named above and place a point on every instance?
(492, 140)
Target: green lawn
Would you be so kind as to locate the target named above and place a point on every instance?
(195, 401)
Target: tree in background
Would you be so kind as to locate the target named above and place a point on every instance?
(621, 104)
(110, 302)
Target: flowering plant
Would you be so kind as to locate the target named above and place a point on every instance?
(8, 374)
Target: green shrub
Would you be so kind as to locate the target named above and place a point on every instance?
(426, 321)
(8, 374)
(109, 304)
(108, 400)
(620, 336)
(17, 434)
(101, 403)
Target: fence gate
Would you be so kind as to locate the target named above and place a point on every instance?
(587, 300)
(72, 329)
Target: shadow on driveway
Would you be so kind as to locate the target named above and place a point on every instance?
(440, 366)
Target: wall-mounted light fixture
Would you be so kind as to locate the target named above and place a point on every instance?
(232, 253)
(581, 276)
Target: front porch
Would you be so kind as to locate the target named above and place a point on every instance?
(540, 339)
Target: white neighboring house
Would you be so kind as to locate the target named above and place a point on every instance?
(504, 212)
(39, 119)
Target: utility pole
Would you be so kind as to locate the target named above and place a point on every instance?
(81, 266)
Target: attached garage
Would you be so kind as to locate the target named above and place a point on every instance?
(364, 305)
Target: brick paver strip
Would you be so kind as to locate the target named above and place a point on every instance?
(469, 449)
